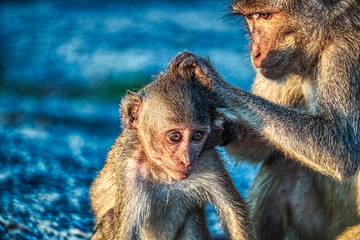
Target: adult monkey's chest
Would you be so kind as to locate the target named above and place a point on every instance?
(293, 92)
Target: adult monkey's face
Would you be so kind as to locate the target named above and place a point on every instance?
(274, 48)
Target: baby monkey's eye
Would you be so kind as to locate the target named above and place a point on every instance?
(175, 136)
(197, 136)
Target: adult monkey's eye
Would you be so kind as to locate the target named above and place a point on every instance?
(175, 136)
(197, 136)
(255, 15)
(266, 16)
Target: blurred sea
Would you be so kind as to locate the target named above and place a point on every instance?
(64, 66)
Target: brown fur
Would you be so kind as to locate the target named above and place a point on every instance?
(136, 196)
(302, 117)
(351, 233)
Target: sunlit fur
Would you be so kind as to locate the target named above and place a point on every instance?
(352, 233)
(134, 197)
(303, 124)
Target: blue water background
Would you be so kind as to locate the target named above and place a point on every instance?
(64, 66)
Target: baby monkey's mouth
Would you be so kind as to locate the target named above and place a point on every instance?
(179, 174)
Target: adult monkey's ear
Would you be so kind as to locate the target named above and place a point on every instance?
(130, 110)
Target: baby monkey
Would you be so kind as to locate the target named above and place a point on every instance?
(163, 168)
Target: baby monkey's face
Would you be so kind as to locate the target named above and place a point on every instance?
(181, 147)
(173, 140)
(173, 118)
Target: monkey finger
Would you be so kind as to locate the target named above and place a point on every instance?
(187, 64)
(205, 72)
(198, 68)
(176, 64)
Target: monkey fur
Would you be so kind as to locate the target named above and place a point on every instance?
(155, 188)
(302, 118)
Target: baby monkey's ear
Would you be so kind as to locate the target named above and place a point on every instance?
(130, 110)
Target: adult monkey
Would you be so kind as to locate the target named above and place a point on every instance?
(301, 119)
